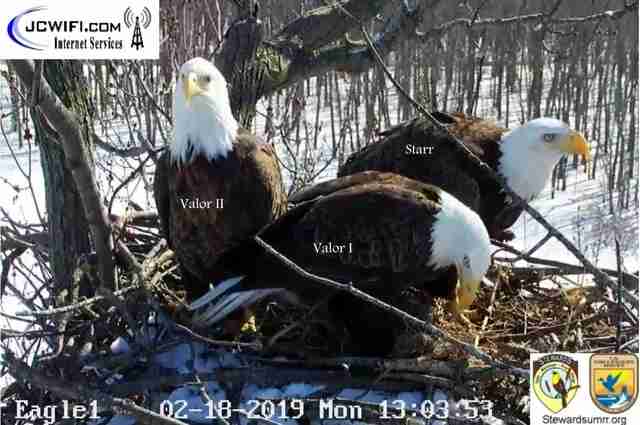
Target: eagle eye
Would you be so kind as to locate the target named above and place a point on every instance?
(207, 78)
(549, 137)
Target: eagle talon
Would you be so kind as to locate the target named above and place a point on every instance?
(474, 315)
(460, 316)
(465, 320)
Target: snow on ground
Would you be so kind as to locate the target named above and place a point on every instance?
(570, 212)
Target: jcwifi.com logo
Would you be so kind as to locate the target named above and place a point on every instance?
(118, 29)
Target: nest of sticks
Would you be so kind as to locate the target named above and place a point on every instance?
(523, 310)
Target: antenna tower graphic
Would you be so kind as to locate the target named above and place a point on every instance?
(144, 20)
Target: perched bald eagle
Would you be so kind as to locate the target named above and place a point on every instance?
(382, 232)
(524, 156)
(216, 184)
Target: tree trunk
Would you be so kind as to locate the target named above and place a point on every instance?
(68, 226)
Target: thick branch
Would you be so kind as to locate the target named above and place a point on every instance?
(121, 152)
(266, 377)
(11, 240)
(71, 135)
(439, 30)
(326, 24)
(349, 57)
(629, 280)
(281, 63)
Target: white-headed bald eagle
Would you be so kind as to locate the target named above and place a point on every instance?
(524, 156)
(216, 184)
(387, 232)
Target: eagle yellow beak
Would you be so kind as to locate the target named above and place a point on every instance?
(575, 143)
(190, 87)
(465, 296)
(466, 293)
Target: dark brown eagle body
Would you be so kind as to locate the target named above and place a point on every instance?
(443, 166)
(382, 227)
(383, 223)
(247, 182)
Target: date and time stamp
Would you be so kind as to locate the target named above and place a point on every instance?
(283, 409)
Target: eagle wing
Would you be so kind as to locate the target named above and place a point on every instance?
(482, 137)
(332, 186)
(443, 165)
(381, 230)
(161, 194)
(262, 166)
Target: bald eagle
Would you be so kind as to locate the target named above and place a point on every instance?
(524, 156)
(216, 184)
(380, 231)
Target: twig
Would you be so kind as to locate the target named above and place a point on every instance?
(121, 152)
(564, 268)
(76, 306)
(262, 376)
(210, 402)
(7, 263)
(25, 174)
(256, 346)
(490, 311)
(533, 249)
(423, 378)
(446, 369)
(151, 97)
(619, 296)
(126, 181)
(555, 328)
(12, 241)
(560, 267)
(533, 17)
(627, 344)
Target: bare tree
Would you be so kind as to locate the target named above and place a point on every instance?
(66, 220)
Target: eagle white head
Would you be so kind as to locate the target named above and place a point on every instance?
(202, 118)
(460, 238)
(530, 152)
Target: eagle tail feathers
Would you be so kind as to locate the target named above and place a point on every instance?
(223, 306)
(215, 292)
